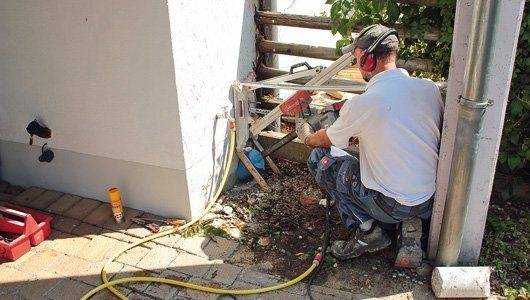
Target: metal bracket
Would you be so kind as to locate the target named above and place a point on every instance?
(474, 104)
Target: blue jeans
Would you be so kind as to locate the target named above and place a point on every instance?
(341, 177)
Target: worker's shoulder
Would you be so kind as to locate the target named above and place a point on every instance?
(424, 83)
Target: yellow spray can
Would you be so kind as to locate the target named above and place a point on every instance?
(115, 204)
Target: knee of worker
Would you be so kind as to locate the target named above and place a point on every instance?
(313, 159)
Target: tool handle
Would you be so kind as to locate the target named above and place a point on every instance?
(298, 65)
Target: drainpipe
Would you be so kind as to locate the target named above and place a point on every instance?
(468, 132)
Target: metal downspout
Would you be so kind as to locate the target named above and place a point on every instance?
(468, 133)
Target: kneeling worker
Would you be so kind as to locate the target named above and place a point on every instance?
(397, 122)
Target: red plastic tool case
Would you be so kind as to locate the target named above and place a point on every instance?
(30, 227)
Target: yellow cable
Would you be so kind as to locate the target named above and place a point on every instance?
(110, 284)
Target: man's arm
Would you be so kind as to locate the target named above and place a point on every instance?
(318, 139)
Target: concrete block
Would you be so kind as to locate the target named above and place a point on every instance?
(63, 204)
(82, 208)
(461, 282)
(67, 243)
(194, 294)
(91, 273)
(41, 261)
(45, 199)
(130, 271)
(223, 273)
(28, 195)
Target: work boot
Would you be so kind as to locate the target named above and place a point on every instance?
(361, 242)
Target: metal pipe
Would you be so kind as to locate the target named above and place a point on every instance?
(468, 132)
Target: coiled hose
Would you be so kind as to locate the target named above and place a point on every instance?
(110, 284)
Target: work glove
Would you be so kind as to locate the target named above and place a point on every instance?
(303, 129)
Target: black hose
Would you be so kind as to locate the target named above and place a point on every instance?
(325, 245)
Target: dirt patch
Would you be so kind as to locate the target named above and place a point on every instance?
(284, 233)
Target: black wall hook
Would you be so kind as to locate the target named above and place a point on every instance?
(35, 128)
(47, 154)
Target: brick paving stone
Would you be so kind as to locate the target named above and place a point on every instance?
(130, 271)
(157, 259)
(67, 243)
(106, 294)
(119, 235)
(194, 294)
(6, 197)
(35, 289)
(70, 266)
(100, 248)
(223, 273)
(45, 199)
(64, 224)
(14, 190)
(3, 185)
(41, 261)
(133, 256)
(82, 208)
(138, 296)
(165, 291)
(62, 204)
(99, 215)
(220, 248)
(86, 230)
(28, 195)
(69, 289)
(257, 278)
(11, 279)
(194, 245)
(170, 240)
(242, 257)
(332, 293)
(128, 214)
(91, 273)
(138, 231)
(190, 264)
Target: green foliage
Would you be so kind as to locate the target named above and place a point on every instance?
(513, 294)
(350, 15)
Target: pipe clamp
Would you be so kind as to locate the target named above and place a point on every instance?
(474, 104)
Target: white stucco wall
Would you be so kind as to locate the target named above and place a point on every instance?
(213, 45)
(98, 73)
(124, 85)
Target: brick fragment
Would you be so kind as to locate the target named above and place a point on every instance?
(194, 245)
(220, 248)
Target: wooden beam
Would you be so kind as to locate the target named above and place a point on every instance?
(266, 73)
(244, 159)
(328, 53)
(303, 21)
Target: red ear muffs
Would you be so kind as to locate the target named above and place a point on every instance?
(368, 62)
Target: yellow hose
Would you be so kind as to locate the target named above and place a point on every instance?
(110, 284)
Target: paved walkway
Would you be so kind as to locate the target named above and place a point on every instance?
(68, 264)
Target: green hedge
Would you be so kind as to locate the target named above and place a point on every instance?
(515, 145)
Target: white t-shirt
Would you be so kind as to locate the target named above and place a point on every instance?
(397, 121)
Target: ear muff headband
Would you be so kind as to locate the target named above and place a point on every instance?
(368, 60)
